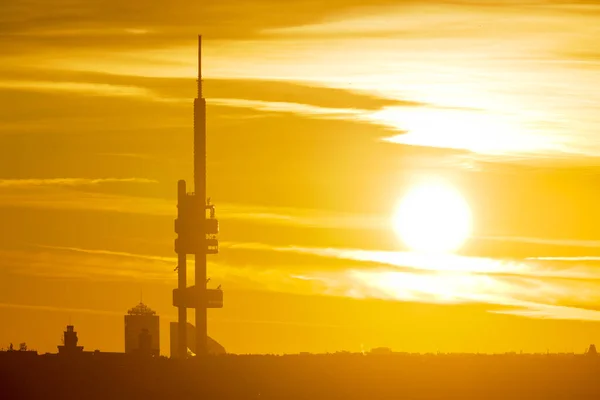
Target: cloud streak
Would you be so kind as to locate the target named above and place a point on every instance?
(311, 44)
(533, 298)
(168, 260)
(60, 309)
(28, 183)
(102, 266)
(96, 89)
(49, 194)
(579, 258)
(530, 290)
(544, 241)
(285, 107)
(527, 290)
(446, 263)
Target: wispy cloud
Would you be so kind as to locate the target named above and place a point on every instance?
(533, 298)
(579, 258)
(527, 290)
(169, 260)
(544, 241)
(304, 217)
(51, 199)
(295, 108)
(85, 265)
(419, 124)
(90, 89)
(97, 89)
(24, 183)
(107, 265)
(60, 309)
(168, 317)
(511, 58)
(548, 311)
(50, 195)
(446, 263)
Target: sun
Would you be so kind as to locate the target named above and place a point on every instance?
(433, 217)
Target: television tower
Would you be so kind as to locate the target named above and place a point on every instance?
(197, 235)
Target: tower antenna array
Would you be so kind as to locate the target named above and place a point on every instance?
(197, 235)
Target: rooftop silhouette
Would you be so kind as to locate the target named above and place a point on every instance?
(393, 178)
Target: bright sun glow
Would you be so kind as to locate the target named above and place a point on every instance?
(433, 218)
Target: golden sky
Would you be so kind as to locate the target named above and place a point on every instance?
(321, 117)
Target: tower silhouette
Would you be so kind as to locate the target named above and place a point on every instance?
(137, 320)
(197, 235)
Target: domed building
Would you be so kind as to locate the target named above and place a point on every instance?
(142, 331)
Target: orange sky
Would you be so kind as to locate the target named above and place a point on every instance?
(321, 116)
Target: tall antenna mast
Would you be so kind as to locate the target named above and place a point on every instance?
(200, 189)
(197, 235)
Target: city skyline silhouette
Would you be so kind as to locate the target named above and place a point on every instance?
(405, 176)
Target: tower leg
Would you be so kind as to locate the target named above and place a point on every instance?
(182, 311)
(201, 310)
(181, 278)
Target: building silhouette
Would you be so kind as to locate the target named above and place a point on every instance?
(592, 350)
(380, 350)
(70, 340)
(142, 333)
